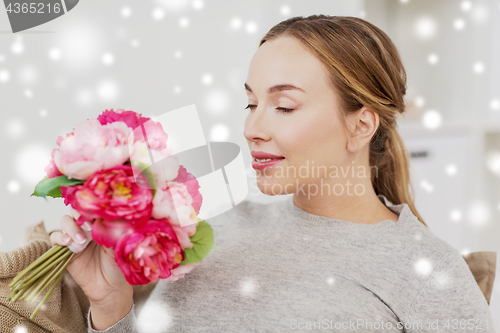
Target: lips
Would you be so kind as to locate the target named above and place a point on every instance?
(260, 155)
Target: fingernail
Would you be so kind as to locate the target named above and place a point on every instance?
(80, 238)
(65, 239)
(87, 226)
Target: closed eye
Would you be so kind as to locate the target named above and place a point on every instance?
(284, 110)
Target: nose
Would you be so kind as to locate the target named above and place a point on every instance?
(257, 127)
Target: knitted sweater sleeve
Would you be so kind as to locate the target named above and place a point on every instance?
(125, 325)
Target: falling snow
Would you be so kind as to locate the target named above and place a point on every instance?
(158, 14)
(236, 23)
(217, 101)
(423, 267)
(425, 28)
(126, 11)
(219, 132)
(433, 58)
(432, 119)
(156, 317)
(456, 215)
(207, 79)
(248, 287)
(108, 58)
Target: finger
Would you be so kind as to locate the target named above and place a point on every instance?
(76, 215)
(76, 248)
(109, 251)
(70, 227)
(59, 238)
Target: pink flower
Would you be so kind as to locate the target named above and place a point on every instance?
(165, 170)
(51, 170)
(175, 203)
(148, 253)
(113, 195)
(107, 234)
(165, 167)
(131, 118)
(180, 271)
(155, 135)
(92, 147)
(192, 185)
(184, 233)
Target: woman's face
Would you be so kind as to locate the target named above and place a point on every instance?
(306, 138)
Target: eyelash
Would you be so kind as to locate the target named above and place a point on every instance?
(284, 110)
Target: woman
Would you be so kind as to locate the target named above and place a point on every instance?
(348, 251)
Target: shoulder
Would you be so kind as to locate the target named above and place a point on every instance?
(450, 291)
(420, 249)
(417, 258)
(413, 238)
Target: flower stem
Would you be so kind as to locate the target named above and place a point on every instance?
(48, 277)
(60, 273)
(46, 271)
(44, 267)
(28, 290)
(46, 255)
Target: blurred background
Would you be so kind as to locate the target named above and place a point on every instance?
(159, 55)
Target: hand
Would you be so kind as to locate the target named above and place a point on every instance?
(94, 269)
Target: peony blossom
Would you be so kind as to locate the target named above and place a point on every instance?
(164, 167)
(107, 234)
(174, 203)
(156, 136)
(51, 170)
(130, 118)
(192, 186)
(113, 195)
(92, 147)
(165, 170)
(148, 253)
(185, 232)
(180, 271)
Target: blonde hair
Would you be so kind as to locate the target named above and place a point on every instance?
(366, 70)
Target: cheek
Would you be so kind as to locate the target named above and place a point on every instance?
(314, 139)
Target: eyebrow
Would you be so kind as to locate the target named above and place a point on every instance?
(278, 87)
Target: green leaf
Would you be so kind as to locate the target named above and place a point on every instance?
(147, 173)
(203, 242)
(52, 186)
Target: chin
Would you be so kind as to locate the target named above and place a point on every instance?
(269, 186)
(269, 192)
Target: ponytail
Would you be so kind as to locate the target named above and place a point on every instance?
(392, 179)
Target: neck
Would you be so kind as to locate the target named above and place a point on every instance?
(348, 206)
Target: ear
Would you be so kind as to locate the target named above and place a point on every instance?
(364, 124)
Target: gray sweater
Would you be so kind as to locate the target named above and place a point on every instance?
(278, 268)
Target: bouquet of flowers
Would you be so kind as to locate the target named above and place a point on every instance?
(146, 211)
